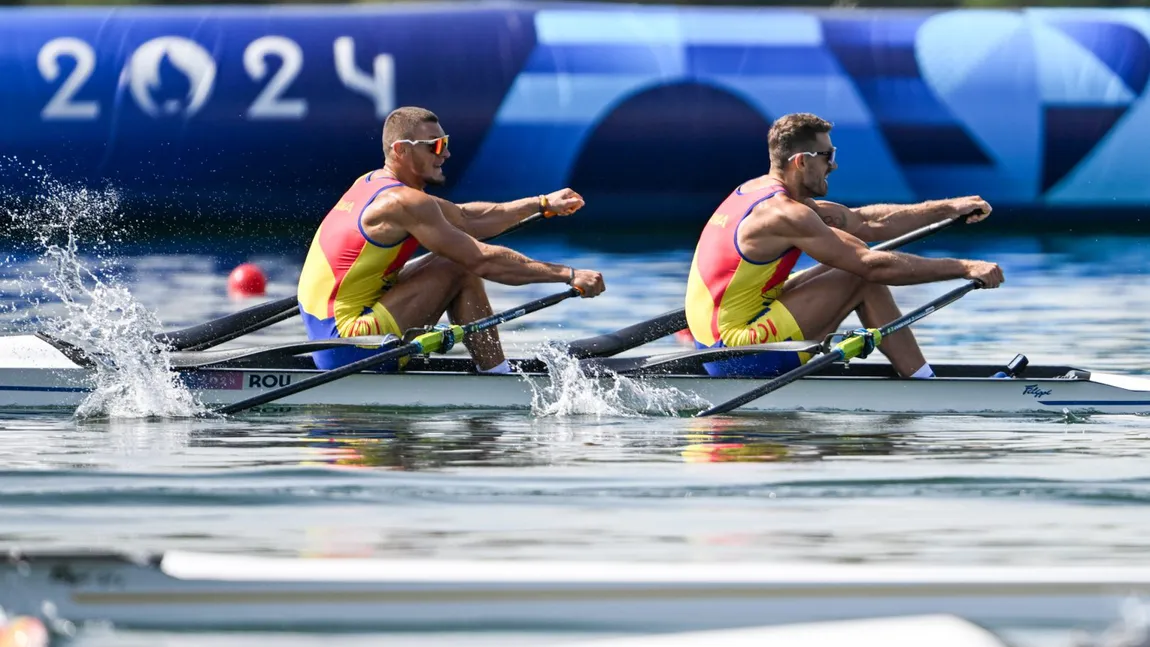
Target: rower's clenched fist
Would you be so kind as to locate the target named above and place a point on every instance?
(563, 202)
(971, 206)
(990, 274)
(588, 282)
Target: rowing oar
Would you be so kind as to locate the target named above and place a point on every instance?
(673, 321)
(213, 333)
(441, 339)
(858, 344)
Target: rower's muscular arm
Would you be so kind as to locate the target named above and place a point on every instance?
(877, 222)
(486, 219)
(422, 218)
(801, 227)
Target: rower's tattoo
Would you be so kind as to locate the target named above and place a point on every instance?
(833, 218)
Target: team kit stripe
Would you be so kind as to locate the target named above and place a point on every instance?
(725, 289)
(345, 272)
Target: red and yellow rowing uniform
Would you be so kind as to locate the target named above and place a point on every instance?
(346, 273)
(732, 300)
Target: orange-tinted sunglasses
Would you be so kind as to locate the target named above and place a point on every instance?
(438, 145)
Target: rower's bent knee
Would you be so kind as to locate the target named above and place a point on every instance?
(470, 283)
(875, 289)
(449, 269)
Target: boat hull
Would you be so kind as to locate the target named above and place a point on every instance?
(448, 383)
(200, 591)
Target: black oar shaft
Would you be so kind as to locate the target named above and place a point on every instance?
(228, 327)
(920, 233)
(940, 302)
(414, 347)
(813, 366)
(839, 352)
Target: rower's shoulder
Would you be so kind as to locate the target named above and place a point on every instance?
(781, 210)
(399, 203)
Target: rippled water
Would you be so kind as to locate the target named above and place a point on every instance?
(484, 485)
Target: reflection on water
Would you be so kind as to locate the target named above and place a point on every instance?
(498, 485)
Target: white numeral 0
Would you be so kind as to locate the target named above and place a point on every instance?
(269, 105)
(61, 105)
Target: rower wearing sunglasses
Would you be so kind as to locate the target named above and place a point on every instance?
(356, 280)
(741, 289)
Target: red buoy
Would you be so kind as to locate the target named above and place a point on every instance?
(247, 280)
(684, 337)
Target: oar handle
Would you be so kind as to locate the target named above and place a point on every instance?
(535, 217)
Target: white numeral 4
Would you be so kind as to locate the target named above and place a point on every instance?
(379, 86)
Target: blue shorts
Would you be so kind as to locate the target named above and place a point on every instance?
(325, 360)
(758, 365)
(774, 323)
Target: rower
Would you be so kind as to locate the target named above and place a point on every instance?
(356, 279)
(741, 289)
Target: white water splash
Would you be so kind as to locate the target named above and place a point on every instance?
(570, 392)
(133, 378)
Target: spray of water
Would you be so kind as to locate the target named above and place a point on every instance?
(90, 308)
(570, 392)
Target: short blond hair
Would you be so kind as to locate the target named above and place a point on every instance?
(401, 124)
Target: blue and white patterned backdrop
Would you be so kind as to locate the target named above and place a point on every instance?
(279, 108)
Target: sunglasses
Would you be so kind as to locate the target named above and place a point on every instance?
(830, 155)
(438, 145)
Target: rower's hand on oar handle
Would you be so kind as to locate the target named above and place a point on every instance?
(988, 274)
(563, 202)
(970, 208)
(589, 283)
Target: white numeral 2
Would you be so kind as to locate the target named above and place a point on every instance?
(269, 104)
(61, 106)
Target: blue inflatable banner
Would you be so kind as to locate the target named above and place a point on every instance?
(656, 110)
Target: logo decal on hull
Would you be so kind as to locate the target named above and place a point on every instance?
(1032, 389)
(268, 380)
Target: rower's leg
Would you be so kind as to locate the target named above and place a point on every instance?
(434, 285)
(472, 304)
(820, 303)
(877, 308)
